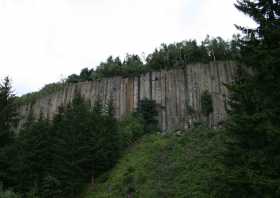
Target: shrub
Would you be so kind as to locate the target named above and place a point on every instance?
(147, 110)
(206, 103)
(7, 193)
(131, 129)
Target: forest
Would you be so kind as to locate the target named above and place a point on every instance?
(85, 152)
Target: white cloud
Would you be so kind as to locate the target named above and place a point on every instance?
(40, 40)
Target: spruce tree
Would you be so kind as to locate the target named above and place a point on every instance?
(71, 154)
(107, 140)
(8, 112)
(8, 119)
(34, 156)
(252, 157)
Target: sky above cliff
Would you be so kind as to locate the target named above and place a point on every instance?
(43, 41)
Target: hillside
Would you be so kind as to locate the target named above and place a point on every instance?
(182, 165)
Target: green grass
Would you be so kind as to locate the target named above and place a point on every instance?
(166, 166)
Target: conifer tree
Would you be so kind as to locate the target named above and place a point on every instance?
(35, 155)
(102, 139)
(71, 127)
(108, 140)
(8, 119)
(8, 113)
(252, 159)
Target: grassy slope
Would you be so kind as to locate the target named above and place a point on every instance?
(166, 166)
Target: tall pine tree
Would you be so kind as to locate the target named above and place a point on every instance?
(8, 118)
(70, 154)
(8, 113)
(252, 158)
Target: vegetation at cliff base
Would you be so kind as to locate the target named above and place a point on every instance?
(56, 158)
(171, 165)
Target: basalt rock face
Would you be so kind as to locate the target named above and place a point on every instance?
(177, 93)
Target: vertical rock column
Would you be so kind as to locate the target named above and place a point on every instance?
(177, 94)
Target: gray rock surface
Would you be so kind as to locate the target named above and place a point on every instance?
(177, 93)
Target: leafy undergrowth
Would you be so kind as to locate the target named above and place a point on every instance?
(162, 166)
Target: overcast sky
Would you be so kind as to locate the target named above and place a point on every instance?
(42, 41)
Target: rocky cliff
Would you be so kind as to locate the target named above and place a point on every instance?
(177, 94)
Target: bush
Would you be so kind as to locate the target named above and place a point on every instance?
(206, 103)
(7, 193)
(131, 129)
(168, 166)
(148, 111)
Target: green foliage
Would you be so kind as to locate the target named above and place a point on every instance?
(85, 75)
(86, 145)
(7, 193)
(186, 52)
(45, 91)
(33, 156)
(112, 66)
(55, 159)
(254, 125)
(177, 54)
(107, 147)
(139, 123)
(131, 129)
(168, 166)
(132, 65)
(219, 49)
(8, 113)
(147, 109)
(206, 103)
(7, 155)
(166, 57)
(73, 78)
(8, 120)
(33, 193)
(51, 187)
